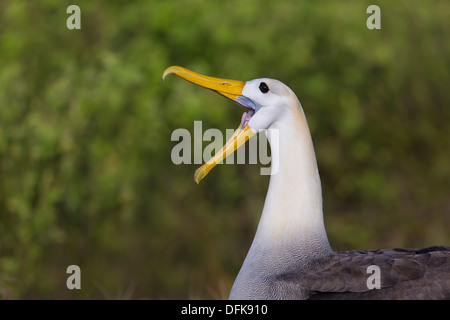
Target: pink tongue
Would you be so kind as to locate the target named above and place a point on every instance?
(245, 119)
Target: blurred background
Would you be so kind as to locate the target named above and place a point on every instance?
(86, 176)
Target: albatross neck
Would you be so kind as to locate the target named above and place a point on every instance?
(292, 219)
(291, 236)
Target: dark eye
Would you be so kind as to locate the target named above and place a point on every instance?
(263, 87)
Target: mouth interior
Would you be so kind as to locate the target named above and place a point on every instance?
(246, 117)
(250, 106)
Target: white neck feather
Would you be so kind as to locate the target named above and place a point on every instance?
(292, 214)
(291, 234)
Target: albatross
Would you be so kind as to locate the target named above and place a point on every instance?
(290, 256)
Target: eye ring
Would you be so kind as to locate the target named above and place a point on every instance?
(263, 87)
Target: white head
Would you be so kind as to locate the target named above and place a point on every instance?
(267, 100)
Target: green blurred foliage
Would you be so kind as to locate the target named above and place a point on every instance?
(86, 176)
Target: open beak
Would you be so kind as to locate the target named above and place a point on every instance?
(231, 89)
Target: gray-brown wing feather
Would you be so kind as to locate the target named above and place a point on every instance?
(405, 274)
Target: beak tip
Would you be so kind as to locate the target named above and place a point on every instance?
(199, 174)
(168, 71)
(165, 74)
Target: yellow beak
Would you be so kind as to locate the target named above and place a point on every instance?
(231, 89)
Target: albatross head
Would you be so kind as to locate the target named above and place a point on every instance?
(266, 100)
